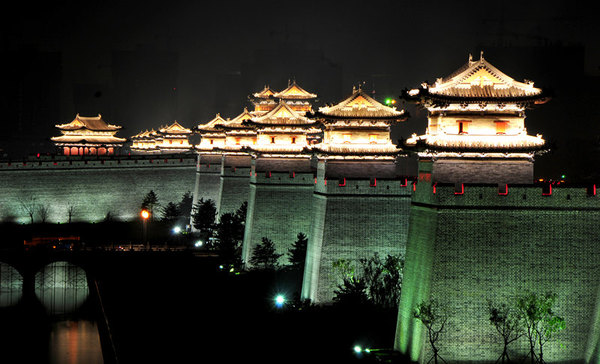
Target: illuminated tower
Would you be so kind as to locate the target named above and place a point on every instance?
(263, 101)
(235, 163)
(88, 135)
(297, 98)
(282, 180)
(361, 200)
(476, 127)
(173, 139)
(144, 142)
(481, 230)
(208, 166)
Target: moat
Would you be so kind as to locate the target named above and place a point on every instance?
(181, 306)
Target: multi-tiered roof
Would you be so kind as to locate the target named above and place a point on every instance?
(173, 138)
(263, 101)
(90, 133)
(211, 135)
(238, 133)
(477, 111)
(281, 131)
(358, 127)
(145, 142)
(298, 98)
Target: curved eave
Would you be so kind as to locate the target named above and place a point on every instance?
(280, 125)
(390, 118)
(422, 147)
(425, 97)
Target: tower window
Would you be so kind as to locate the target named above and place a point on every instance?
(293, 140)
(272, 140)
(463, 126)
(501, 126)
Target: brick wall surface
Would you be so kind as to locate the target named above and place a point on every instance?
(279, 205)
(353, 218)
(94, 189)
(491, 246)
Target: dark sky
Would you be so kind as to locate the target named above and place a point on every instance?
(144, 64)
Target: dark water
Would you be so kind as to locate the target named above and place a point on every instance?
(73, 342)
(50, 324)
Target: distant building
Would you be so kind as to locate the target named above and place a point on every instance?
(168, 139)
(144, 142)
(173, 139)
(88, 136)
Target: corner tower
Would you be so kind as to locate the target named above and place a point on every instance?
(481, 230)
(360, 202)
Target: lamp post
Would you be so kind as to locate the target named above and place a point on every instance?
(145, 215)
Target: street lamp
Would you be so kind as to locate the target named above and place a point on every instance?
(145, 215)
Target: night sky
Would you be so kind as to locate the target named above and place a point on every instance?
(145, 64)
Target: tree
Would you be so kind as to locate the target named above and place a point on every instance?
(264, 255)
(352, 292)
(29, 205)
(229, 239)
(171, 212)
(150, 202)
(203, 217)
(297, 253)
(43, 212)
(70, 212)
(185, 206)
(508, 322)
(434, 317)
(383, 279)
(541, 323)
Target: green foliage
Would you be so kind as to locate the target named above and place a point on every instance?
(229, 234)
(382, 278)
(508, 322)
(540, 321)
(351, 292)
(297, 253)
(264, 255)
(185, 206)
(434, 317)
(171, 212)
(203, 217)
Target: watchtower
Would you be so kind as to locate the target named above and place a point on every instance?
(360, 202)
(480, 229)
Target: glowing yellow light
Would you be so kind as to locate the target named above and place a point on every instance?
(145, 214)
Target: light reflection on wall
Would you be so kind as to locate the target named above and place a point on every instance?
(61, 287)
(11, 285)
(89, 193)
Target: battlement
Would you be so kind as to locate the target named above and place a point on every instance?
(547, 195)
(100, 162)
(283, 178)
(399, 186)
